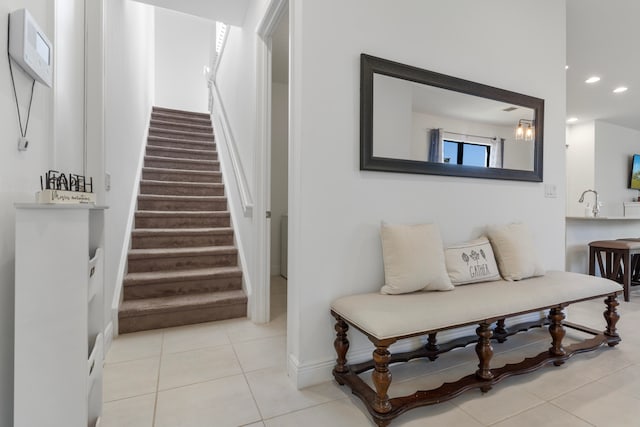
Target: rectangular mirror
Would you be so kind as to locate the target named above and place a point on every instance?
(418, 121)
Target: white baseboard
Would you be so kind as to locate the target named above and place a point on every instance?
(308, 374)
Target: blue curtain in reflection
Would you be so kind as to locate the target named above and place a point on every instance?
(436, 146)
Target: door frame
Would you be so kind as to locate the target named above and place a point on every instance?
(261, 306)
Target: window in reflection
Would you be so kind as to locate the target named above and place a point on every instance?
(465, 153)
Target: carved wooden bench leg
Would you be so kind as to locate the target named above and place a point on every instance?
(485, 353)
(341, 344)
(611, 316)
(432, 346)
(557, 331)
(500, 332)
(381, 376)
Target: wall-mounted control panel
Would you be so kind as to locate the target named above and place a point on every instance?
(30, 47)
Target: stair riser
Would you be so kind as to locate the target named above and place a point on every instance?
(175, 164)
(189, 241)
(188, 120)
(178, 165)
(182, 222)
(182, 205)
(181, 114)
(161, 152)
(181, 262)
(180, 176)
(180, 190)
(181, 135)
(156, 321)
(189, 127)
(158, 290)
(176, 143)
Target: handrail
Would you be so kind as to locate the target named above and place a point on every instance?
(240, 177)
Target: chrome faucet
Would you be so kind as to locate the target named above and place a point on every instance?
(596, 205)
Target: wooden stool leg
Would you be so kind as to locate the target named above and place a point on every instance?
(626, 275)
(381, 376)
(341, 344)
(485, 353)
(592, 261)
(557, 331)
(611, 316)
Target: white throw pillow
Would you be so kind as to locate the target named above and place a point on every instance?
(471, 262)
(413, 259)
(514, 250)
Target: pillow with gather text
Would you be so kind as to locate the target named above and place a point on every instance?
(514, 250)
(413, 259)
(471, 262)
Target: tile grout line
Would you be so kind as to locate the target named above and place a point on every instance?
(246, 381)
(155, 402)
(571, 413)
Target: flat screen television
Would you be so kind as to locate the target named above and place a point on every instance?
(634, 180)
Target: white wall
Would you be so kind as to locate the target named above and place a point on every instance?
(18, 177)
(279, 167)
(183, 47)
(69, 86)
(129, 85)
(236, 79)
(615, 145)
(335, 209)
(580, 165)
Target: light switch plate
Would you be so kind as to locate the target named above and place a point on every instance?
(550, 191)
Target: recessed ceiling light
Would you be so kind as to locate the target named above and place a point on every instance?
(566, 67)
(592, 79)
(620, 89)
(572, 119)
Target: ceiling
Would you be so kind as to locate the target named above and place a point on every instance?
(229, 12)
(602, 40)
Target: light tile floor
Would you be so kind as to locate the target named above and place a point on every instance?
(232, 373)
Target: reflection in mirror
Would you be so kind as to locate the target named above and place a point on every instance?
(418, 121)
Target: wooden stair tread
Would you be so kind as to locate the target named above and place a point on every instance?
(196, 126)
(176, 197)
(180, 171)
(181, 231)
(185, 161)
(180, 119)
(157, 109)
(195, 250)
(207, 150)
(138, 307)
(181, 132)
(182, 183)
(194, 142)
(182, 213)
(181, 275)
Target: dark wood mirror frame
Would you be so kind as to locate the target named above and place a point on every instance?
(370, 65)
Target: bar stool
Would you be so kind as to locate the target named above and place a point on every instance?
(614, 260)
(635, 263)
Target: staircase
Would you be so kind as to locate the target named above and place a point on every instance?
(183, 265)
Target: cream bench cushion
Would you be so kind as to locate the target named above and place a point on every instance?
(395, 316)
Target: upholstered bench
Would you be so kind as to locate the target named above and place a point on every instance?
(385, 319)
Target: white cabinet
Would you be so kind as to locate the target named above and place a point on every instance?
(59, 316)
